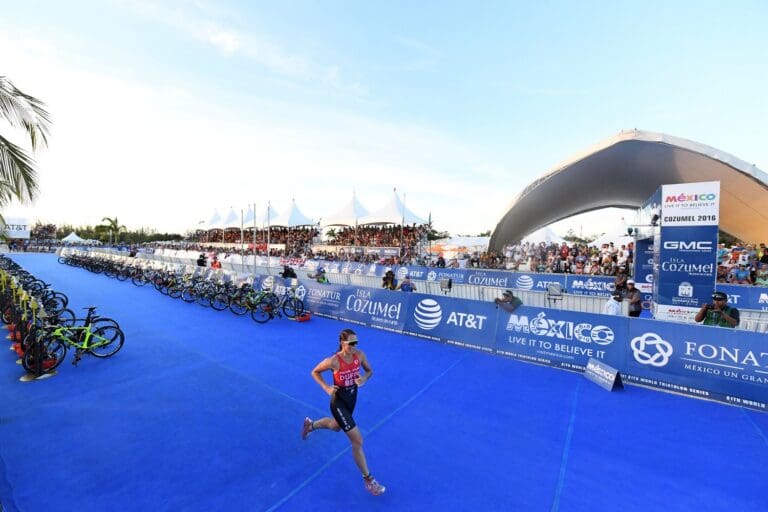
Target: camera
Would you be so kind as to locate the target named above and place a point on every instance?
(710, 306)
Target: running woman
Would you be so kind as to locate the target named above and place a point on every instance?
(345, 365)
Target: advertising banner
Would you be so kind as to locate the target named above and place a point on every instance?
(687, 265)
(16, 228)
(745, 296)
(536, 282)
(685, 249)
(711, 362)
(466, 323)
(321, 299)
(383, 309)
(597, 286)
(564, 339)
(643, 271)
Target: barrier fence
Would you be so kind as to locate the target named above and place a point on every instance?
(721, 364)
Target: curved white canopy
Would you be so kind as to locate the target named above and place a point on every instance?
(624, 171)
(349, 215)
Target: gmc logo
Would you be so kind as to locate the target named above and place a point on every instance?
(689, 246)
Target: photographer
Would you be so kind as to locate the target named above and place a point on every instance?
(718, 312)
(508, 301)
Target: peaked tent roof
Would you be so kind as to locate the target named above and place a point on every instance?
(72, 238)
(232, 220)
(349, 215)
(250, 216)
(293, 218)
(544, 234)
(214, 222)
(270, 214)
(394, 212)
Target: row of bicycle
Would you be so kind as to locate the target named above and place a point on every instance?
(42, 328)
(207, 289)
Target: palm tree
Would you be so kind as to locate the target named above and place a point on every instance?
(113, 226)
(18, 177)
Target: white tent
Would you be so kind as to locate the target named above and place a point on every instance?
(293, 218)
(214, 222)
(544, 234)
(472, 243)
(617, 239)
(72, 238)
(232, 220)
(349, 215)
(617, 234)
(394, 212)
(270, 214)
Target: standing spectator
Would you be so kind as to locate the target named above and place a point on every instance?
(634, 298)
(613, 305)
(407, 285)
(718, 312)
(388, 282)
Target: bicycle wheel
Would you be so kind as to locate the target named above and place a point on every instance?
(238, 306)
(189, 295)
(65, 317)
(174, 291)
(262, 312)
(293, 307)
(220, 302)
(122, 274)
(44, 355)
(204, 299)
(107, 340)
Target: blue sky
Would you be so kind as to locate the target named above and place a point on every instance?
(164, 111)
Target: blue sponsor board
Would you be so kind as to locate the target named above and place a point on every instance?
(320, 299)
(494, 278)
(745, 296)
(383, 309)
(536, 282)
(643, 272)
(710, 362)
(590, 285)
(459, 322)
(687, 265)
(564, 339)
(457, 275)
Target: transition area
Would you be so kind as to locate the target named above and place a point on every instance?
(201, 410)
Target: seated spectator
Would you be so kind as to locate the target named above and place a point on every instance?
(508, 301)
(761, 275)
(407, 285)
(201, 260)
(388, 282)
(740, 274)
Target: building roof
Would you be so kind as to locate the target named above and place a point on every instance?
(624, 171)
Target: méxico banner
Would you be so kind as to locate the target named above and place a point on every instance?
(564, 339)
(685, 249)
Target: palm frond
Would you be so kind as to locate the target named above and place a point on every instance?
(24, 111)
(18, 177)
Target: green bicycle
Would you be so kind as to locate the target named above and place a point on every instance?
(99, 336)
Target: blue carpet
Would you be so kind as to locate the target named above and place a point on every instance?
(201, 410)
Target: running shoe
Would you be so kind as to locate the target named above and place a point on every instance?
(374, 487)
(306, 428)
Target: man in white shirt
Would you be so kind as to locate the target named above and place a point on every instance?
(613, 305)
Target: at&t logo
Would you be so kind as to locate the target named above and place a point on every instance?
(524, 282)
(650, 349)
(301, 292)
(428, 314)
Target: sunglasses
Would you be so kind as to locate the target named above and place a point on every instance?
(718, 298)
(351, 343)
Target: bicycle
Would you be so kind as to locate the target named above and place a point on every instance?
(98, 336)
(271, 304)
